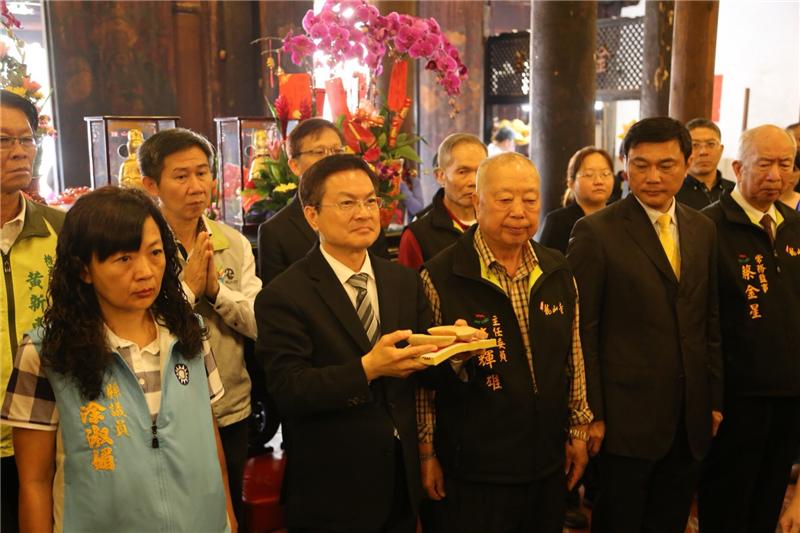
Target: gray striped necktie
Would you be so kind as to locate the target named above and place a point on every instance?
(364, 308)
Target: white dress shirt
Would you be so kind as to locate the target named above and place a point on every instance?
(755, 215)
(11, 229)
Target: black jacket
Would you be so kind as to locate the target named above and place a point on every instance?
(651, 342)
(434, 231)
(503, 431)
(694, 193)
(339, 429)
(557, 226)
(761, 344)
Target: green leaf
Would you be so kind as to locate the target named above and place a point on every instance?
(382, 140)
(275, 172)
(407, 152)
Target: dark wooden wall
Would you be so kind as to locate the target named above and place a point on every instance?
(191, 59)
(462, 22)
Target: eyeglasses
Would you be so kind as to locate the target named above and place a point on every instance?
(345, 206)
(26, 141)
(322, 152)
(708, 145)
(592, 175)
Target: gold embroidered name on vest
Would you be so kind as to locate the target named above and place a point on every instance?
(98, 437)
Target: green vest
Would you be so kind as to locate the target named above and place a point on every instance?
(26, 276)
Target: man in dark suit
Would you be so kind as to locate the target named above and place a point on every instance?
(745, 478)
(342, 388)
(286, 237)
(646, 272)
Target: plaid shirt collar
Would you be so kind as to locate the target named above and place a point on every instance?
(526, 266)
(118, 343)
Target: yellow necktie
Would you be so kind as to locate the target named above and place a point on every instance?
(665, 236)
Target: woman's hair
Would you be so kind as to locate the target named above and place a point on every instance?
(574, 166)
(102, 223)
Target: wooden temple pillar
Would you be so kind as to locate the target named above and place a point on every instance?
(562, 90)
(658, 27)
(693, 50)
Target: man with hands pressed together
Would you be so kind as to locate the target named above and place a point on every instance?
(508, 429)
(327, 330)
(218, 276)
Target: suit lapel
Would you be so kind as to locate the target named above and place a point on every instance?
(641, 230)
(299, 220)
(333, 294)
(687, 236)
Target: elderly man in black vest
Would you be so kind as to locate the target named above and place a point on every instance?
(451, 212)
(758, 255)
(510, 422)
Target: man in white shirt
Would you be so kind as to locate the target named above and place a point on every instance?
(327, 329)
(218, 277)
(758, 252)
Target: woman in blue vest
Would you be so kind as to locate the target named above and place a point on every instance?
(109, 398)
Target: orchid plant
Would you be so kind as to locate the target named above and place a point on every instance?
(354, 29)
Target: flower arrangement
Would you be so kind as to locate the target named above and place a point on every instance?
(353, 29)
(14, 76)
(376, 137)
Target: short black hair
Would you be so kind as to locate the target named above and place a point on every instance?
(15, 101)
(157, 147)
(504, 134)
(658, 130)
(312, 186)
(703, 123)
(311, 127)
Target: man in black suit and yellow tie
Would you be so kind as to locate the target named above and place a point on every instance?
(287, 237)
(647, 276)
(327, 329)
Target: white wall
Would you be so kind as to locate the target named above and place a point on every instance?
(758, 46)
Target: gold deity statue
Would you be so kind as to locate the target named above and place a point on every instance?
(129, 175)
(260, 153)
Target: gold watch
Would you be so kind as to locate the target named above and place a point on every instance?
(575, 433)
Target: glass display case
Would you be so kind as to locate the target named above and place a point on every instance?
(108, 142)
(240, 140)
(506, 87)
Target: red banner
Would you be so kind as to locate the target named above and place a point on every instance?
(397, 86)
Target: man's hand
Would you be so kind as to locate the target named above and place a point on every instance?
(480, 334)
(716, 420)
(597, 432)
(790, 521)
(576, 461)
(386, 360)
(431, 471)
(195, 272)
